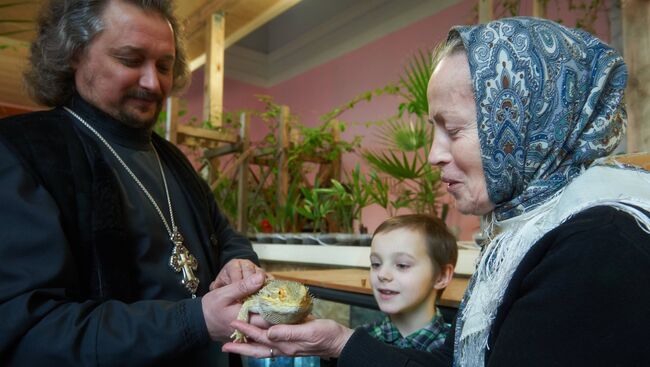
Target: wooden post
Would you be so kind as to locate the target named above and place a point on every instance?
(283, 164)
(485, 11)
(213, 85)
(171, 122)
(636, 47)
(539, 10)
(242, 180)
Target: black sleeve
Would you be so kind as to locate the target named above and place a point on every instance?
(231, 243)
(363, 350)
(41, 324)
(581, 297)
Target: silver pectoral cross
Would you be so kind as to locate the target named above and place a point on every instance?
(182, 260)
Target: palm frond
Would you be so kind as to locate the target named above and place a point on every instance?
(407, 136)
(415, 80)
(400, 167)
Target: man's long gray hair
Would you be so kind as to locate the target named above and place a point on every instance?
(65, 29)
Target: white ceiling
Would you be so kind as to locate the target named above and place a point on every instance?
(314, 32)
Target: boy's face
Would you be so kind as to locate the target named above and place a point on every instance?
(402, 273)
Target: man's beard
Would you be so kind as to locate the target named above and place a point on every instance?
(133, 120)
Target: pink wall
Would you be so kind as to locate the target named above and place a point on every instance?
(321, 89)
(372, 66)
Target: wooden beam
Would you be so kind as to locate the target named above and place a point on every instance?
(636, 47)
(314, 159)
(195, 22)
(243, 18)
(262, 18)
(260, 152)
(539, 8)
(207, 134)
(264, 161)
(485, 11)
(171, 122)
(223, 149)
(213, 85)
(264, 11)
(242, 175)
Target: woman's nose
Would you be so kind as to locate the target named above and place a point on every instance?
(439, 154)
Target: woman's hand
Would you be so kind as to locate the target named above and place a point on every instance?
(324, 338)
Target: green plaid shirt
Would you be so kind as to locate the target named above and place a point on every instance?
(430, 337)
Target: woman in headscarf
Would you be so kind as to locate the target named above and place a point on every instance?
(525, 112)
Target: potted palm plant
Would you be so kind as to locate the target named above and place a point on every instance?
(400, 175)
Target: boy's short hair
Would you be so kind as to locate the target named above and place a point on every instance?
(441, 244)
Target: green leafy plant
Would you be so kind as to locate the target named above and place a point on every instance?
(226, 201)
(404, 159)
(390, 89)
(300, 207)
(414, 82)
(379, 190)
(316, 205)
(401, 176)
(360, 193)
(285, 217)
(318, 141)
(343, 203)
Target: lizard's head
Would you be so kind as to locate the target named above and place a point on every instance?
(284, 302)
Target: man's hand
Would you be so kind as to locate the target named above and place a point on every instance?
(234, 270)
(221, 306)
(324, 338)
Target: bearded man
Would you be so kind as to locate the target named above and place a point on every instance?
(114, 251)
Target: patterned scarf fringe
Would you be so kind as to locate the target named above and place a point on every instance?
(500, 259)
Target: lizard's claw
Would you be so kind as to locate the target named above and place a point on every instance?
(238, 337)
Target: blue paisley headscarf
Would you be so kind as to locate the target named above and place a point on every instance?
(548, 101)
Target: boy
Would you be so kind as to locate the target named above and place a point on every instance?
(412, 260)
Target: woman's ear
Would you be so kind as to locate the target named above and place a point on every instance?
(444, 278)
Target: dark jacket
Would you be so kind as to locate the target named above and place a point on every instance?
(580, 297)
(70, 299)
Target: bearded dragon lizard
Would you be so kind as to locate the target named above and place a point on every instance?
(278, 302)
